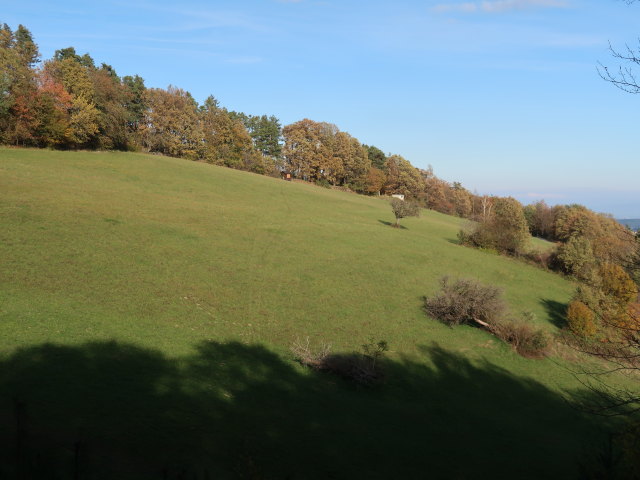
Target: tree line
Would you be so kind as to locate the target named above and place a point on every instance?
(69, 102)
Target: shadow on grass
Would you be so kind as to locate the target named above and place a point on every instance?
(392, 224)
(110, 410)
(557, 312)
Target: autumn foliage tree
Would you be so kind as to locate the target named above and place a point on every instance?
(581, 319)
(303, 149)
(171, 124)
(319, 151)
(402, 177)
(227, 141)
(617, 283)
(18, 57)
(375, 180)
(540, 218)
(436, 192)
(111, 100)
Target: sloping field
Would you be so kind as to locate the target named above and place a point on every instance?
(147, 305)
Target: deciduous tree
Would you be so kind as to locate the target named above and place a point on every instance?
(505, 229)
(402, 177)
(403, 208)
(171, 124)
(302, 148)
(226, 140)
(376, 179)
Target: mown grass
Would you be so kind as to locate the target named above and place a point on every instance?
(172, 291)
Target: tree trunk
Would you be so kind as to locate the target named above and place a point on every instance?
(484, 324)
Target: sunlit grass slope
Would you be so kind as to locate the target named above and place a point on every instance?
(166, 253)
(168, 256)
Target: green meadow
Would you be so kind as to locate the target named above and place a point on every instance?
(148, 304)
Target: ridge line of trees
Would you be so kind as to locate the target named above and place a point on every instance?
(69, 102)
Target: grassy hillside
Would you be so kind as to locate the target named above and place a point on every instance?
(147, 306)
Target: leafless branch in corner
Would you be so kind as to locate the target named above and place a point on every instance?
(624, 78)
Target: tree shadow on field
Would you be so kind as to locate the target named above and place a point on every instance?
(107, 410)
(392, 224)
(557, 312)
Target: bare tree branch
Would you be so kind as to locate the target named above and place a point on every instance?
(624, 78)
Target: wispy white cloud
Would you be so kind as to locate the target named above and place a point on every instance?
(498, 6)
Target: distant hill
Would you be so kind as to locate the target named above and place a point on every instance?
(632, 223)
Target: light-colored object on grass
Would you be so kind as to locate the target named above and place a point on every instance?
(398, 195)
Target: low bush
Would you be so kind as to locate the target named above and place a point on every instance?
(464, 236)
(466, 301)
(323, 182)
(527, 340)
(304, 354)
(363, 368)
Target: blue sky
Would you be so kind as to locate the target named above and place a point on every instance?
(501, 95)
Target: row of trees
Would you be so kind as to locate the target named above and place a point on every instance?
(65, 102)
(69, 102)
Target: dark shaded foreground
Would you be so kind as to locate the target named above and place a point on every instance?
(109, 410)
